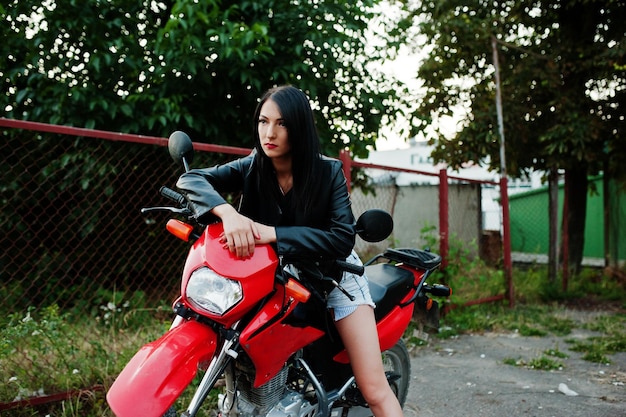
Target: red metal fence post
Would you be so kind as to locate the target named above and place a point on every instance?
(344, 156)
(444, 227)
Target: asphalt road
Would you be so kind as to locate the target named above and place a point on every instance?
(466, 377)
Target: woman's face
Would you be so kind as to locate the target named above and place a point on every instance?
(273, 132)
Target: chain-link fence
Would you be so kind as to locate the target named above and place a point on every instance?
(72, 225)
(74, 240)
(71, 219)
(73, 235)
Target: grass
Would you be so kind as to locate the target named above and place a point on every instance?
(596, 349)
(46, 352)
(545, 362)
(542, 363)
(51, 351)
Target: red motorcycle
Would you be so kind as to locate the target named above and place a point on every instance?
(265, 331)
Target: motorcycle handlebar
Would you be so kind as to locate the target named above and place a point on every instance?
(181, 201)
(352, 268)
(172, 195)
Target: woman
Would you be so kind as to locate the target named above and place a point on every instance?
(297, 200)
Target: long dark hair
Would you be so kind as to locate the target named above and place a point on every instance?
(296, 112)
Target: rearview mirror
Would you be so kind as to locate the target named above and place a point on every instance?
(181, 148)
(374, 225)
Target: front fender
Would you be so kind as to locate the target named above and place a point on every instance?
(159, 372)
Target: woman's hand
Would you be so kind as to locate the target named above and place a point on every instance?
(267, 234)
(240, 232)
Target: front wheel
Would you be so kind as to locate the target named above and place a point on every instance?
(171, 412)
(397, 364)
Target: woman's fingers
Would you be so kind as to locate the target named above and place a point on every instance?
(238, 237)
(243, 244)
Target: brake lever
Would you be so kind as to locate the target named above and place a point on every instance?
(182, 211)
(339, 287)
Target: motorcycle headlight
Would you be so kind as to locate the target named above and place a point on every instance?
(213, 292)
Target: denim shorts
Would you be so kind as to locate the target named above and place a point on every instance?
(355, 285)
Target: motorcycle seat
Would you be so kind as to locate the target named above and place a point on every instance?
(388, 285)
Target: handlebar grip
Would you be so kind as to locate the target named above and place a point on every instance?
(352, 268)
(172, 195)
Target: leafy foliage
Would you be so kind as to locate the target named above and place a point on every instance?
(563, 74)
(199, 66)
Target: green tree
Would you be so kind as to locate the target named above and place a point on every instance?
(563, 72)
(153, 67)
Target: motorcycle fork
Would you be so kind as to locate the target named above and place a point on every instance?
(227, 402)
(215, 369)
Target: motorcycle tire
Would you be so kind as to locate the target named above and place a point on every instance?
(171, 412)
(397, 362)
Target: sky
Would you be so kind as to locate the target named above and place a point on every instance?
(404, 68)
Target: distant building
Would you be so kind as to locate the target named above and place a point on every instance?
(417, 157)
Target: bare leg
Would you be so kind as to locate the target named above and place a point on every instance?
(359, 336)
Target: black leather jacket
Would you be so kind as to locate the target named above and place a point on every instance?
(328, 231)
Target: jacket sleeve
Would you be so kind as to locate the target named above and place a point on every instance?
(336, 238)
(204, 187)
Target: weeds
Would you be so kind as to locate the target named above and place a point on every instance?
(46, 351)
(612, 340)
(526, 320)
(556, 353)
(541, 363)
(545, 362)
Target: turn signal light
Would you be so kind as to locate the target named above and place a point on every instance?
(179, 229)
(297, 291)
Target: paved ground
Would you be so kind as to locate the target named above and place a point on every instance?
(466, 377)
